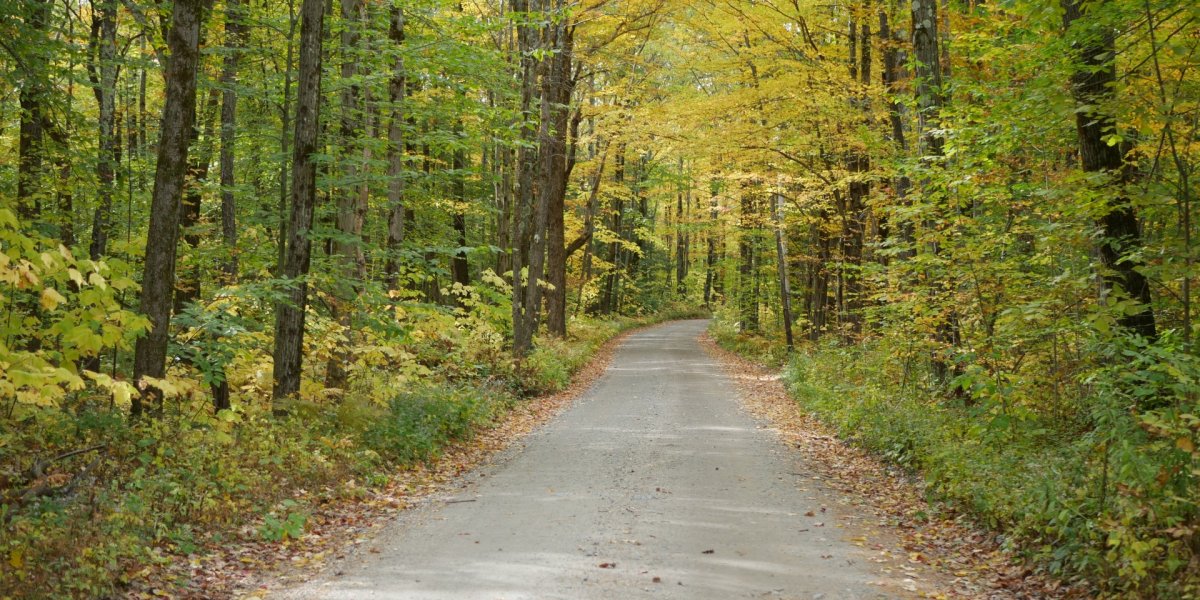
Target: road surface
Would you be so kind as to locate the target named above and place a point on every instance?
(654, 484)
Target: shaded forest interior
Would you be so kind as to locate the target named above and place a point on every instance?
(245, 242)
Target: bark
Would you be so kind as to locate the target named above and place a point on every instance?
(104, 80)
(747, 298)
(158, 276)
(785, 288)
(235, 42)
(35, 118)
(893, 60)
(187, 286)
(352, 198)
(396, 96)
(1092, 84)
(289, 314)
(557, 90)
(460, 268)
(530, 220)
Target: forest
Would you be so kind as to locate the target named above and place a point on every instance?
(255, 248)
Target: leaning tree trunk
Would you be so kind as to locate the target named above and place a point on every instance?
(158, 275)
(289, 314)
(1092, 84)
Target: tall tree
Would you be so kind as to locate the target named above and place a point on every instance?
(290, 313)
(235, 42)
(1093, 82)
(178, 117)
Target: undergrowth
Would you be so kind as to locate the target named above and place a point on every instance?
(155, 491)
(1105, 493)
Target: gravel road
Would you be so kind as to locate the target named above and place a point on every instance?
(654, 484)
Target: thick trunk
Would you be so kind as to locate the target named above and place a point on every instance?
(158, 276)
(289, 314)
(747, 299)
(1092, 84)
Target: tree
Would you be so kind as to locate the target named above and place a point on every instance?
(290, 314)
(1092, 85)
(158, 276)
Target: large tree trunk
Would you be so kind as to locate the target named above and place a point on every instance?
(158, 276)
(893, 60)
(289, 314)
(1092, 84)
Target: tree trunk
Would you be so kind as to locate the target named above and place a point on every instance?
(187, 286)
(1092, 84)
(289, 314)
(785, 288)
(235, 42)
(158, 276)
(352, 198)
(396, 96)
(35, 119)
(104, 35)
(557, 91)
(530, 221)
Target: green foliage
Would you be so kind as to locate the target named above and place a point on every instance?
(1108, 496)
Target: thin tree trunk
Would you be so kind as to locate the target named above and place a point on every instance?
(396, 96)
(785, 288)
(235, 43)
(352, 206)
(104, 74)
(187, 285)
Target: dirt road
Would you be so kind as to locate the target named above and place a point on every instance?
(653, 485)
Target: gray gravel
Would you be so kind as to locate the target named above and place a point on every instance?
(654, 484)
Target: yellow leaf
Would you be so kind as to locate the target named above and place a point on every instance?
(1185, 444)
(75, 276)
(16, 559)
(97, 280)
(51, 299)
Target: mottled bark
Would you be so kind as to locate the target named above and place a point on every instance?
(1092, 84)
(289, 314)
(158, 275)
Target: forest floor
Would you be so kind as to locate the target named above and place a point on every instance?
(646, 479)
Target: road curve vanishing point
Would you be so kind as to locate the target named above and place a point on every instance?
(654, 484)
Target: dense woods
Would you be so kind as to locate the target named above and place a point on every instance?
(249, 248)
